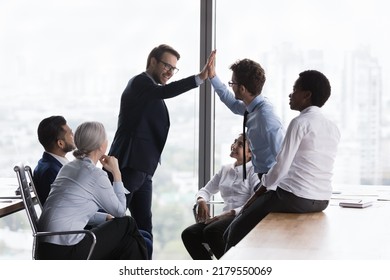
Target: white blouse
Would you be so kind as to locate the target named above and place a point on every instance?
(229, 182)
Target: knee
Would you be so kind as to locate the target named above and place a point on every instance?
(210, 233)
(190, 234)
(186, 235)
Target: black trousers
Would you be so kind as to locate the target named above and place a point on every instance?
(212, 234)
(117, 239)
(271, 201)
(139, 201)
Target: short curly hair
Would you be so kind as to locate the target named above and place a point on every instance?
(249, 74)
(317, 83)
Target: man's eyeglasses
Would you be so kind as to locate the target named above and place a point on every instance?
(231, 83)
(169, 67)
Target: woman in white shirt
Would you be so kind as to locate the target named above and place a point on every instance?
(304, 165)
(234, 192)
(78, 192)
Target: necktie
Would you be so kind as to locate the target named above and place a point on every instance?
(244, 144)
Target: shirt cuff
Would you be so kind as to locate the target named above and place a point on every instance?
(97, 219)
(198, 80)
(238, 209)
(118, 186)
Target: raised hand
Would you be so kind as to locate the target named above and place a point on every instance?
(210, 64)
(110, 163)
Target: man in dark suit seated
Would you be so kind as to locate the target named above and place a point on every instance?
(56, 138)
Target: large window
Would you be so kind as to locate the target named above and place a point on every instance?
(74, 58)
(344, 39)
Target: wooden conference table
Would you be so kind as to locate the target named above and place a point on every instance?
(336, 233)
(9, 201)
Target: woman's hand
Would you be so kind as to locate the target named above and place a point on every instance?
(221, 216)
(110, 163)
(203, 211)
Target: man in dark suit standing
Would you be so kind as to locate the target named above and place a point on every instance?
(56, 138)
(143, 126)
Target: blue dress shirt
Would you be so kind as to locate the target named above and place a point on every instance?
(264, 129)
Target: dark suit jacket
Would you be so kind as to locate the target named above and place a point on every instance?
(44, 174)
(143, 122)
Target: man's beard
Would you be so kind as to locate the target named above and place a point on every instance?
(68, 148)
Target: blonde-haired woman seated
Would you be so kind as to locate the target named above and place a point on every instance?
(76, 195)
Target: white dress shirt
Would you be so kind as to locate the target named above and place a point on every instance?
(62, 160)
(304, 165)
(228, 181)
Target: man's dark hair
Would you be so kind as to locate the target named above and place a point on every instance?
(317, 83)
(158, 52)
(50, 130)
(249, 74)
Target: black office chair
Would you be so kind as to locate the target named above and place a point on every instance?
(31, 184)
(29, 205)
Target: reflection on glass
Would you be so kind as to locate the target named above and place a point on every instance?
(288, 37)
(78, 68)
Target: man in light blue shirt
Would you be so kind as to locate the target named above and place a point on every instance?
(264, 129)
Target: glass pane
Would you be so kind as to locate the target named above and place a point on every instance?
(74, 58)
(346, 42)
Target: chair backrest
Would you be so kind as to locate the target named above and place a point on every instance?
(29, 205)
(26, 196)
(27, 168)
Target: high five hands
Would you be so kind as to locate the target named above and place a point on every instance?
(208, 70)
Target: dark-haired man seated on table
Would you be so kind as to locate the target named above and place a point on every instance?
(304, 165)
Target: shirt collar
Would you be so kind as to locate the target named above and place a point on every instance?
(247, 165)
(256, 101)
(62, 160)
(146, 73)
(311, 109)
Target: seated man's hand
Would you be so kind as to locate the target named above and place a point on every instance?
(254, 196)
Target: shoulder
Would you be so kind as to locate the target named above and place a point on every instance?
(138, 87)
(142, 77)
(264, 108)
(47, 158)
(83, 168)
(227, 167)
(265, 114)
(95, 172)
(47, 164)
(138, 80)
